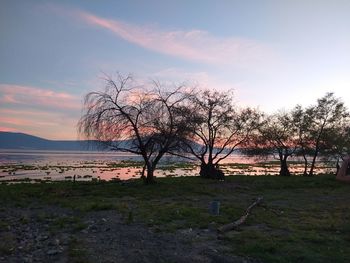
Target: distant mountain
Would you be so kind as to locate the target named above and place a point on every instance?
(13, 140)
(22, 141)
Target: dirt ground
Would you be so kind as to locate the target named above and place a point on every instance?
(55, 234)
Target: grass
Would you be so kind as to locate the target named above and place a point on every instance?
(72, 222)
(7, 243)
(76, 252)
(125, 164)
(3, 225)
(236, 165)
(302, 219)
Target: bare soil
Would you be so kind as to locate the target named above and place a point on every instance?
(55, 234)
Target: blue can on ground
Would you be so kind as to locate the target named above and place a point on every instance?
(214, 208)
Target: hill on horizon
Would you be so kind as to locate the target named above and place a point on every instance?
(22, 141)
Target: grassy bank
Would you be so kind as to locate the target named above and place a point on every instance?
(301, 219)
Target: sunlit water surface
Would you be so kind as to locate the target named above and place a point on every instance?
(34, 166)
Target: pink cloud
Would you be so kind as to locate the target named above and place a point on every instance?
(7, 129)
(43, 123)
(33, 96)
(14, 121)
(195, 45)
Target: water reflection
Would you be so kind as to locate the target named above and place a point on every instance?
(58, 166)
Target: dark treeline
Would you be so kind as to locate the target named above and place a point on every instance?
(206, 125)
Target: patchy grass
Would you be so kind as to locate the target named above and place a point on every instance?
(7, 243)
(125, 164)
(3, 225)
(71, 222)
(236, 165)
(177, 165)
(76, 252)
(302, 219)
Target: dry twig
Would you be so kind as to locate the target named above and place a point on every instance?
(242, 219)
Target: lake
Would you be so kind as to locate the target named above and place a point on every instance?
(34, 166)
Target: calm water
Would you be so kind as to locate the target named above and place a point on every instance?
(85, 165)
(57, 157)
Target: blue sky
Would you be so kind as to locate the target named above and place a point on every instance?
(274, 54)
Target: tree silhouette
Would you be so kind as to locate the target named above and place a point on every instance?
(277, 137)
(142, 120)
(217, 128)
(324, 119)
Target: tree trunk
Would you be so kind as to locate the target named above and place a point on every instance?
(337, 166)
(284, 167)
(143, 177)
(305, 165)
(209, 170)
(150, 176)
(311, 173)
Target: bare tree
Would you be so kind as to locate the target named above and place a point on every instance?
(324, 119)
(302, 119)
(277, 137)
(339, 142)
(217, 129)
(146, 121)
(323, 129)
(336, 143)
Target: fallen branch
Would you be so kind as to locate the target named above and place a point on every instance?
(242, 219)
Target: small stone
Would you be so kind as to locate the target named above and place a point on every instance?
(27, 259)
(38, 245)
(52, 252)
(93, 228)
(64, 240)
(186, 231)
(212, 226)
(42, 238)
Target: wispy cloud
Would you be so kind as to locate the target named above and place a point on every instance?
(7, 129)
(195, 45)
(52, 124)
(14, 121)
(199, 79)
(34, 96)
(38, 111)
(204, 80)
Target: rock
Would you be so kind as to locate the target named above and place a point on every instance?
(42, 238)
(64, 240)
(186, 231)
(212, 226)
(92, 228)
(38, 245)
(52, 252)
(57, 241)
(27, 259)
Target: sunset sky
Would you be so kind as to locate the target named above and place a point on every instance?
(274, 54)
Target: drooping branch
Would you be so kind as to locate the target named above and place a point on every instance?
(143, 120)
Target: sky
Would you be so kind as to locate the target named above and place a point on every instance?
(274, 54)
